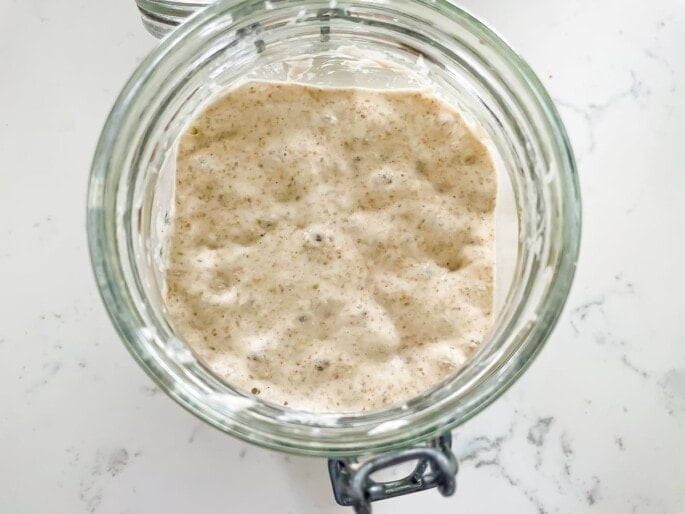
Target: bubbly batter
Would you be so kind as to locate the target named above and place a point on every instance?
(333, 249)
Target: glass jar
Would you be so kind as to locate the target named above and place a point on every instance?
(373, 43)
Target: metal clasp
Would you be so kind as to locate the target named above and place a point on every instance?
(436, 467)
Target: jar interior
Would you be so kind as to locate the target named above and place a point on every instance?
(360, 44)
(344, 61)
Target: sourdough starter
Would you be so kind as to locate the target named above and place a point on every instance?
(332, 249)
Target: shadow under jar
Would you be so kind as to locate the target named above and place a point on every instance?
(375, 44)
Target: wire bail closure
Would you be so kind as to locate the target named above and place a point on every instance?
(354, 487)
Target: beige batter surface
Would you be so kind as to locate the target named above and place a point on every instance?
(333, 249)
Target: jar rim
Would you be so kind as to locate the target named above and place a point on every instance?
(304, 436)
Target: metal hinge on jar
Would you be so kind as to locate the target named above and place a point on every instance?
(436, 467)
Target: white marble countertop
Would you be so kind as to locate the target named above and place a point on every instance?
(596, 425)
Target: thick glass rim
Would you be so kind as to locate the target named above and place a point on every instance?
(307, 433)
